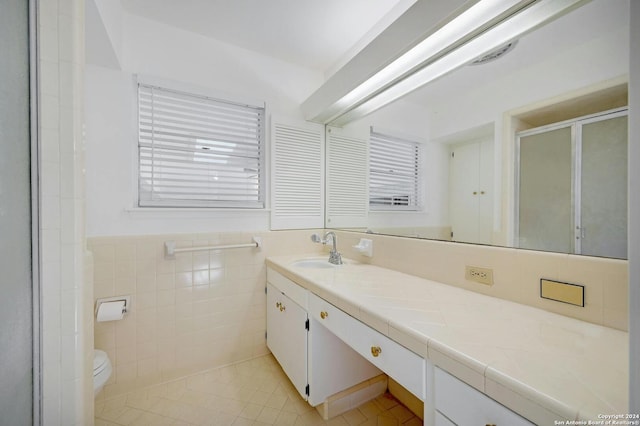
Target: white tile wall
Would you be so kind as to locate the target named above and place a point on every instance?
(197, 311)
(67, 328)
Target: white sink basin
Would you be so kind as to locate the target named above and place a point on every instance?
(313, 264)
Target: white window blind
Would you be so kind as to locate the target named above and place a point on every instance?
(394, 173)
(195, 151)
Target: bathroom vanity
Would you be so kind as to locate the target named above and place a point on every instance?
(336, 366)
(472, 359)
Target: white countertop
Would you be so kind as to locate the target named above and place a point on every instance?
(539, 364)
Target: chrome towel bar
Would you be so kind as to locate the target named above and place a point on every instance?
(170, 247)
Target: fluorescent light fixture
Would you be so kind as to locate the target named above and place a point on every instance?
(459, 29)
(507, 30)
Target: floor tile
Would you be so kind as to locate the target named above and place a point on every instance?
(255, 393)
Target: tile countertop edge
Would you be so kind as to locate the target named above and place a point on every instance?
(526, 400)
(517, 396)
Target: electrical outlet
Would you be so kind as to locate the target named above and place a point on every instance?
(479, 275)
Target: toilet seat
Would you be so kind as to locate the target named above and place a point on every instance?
(101, 370)
(100, 361)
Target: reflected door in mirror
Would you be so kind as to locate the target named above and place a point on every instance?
(573, 187)
(470, 189)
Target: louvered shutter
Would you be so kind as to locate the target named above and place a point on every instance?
(196, 151)
(297, 175)
(394, 173)
(347, 181)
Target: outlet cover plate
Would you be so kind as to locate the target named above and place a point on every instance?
(479, 275)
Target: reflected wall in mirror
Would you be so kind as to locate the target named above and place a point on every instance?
(467, 124)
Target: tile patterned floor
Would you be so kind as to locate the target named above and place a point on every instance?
(255, 392)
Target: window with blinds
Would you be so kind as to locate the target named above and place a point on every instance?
(195, 151)
(394, 173)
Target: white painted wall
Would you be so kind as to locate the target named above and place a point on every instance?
(472, 105)
(153, 48)
(158, 50)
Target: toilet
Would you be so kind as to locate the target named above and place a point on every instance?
(101, 370)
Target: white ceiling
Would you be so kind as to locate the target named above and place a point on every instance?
(311, 33)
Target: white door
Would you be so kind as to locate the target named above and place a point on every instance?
(471, 192)
(287, 336)
(464, 193)
(485, 193)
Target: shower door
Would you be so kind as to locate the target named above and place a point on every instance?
(603, 189)
(545, 208)
(572, 187)
(18, 372)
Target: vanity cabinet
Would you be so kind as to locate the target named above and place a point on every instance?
(317, 362)
(287, 336)
(457, 403)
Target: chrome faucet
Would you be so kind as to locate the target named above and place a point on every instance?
(334, 257)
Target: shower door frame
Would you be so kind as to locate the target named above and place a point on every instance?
(575, 124)
(34, 124)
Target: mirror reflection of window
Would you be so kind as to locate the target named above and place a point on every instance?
(395, 176)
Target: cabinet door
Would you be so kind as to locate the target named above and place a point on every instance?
(287, 336)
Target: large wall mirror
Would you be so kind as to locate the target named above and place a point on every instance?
(526, 148)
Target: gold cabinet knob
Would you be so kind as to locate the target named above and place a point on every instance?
(375, 351)
(282, 308)
(278, 304)
(324, 314)
(475, 192)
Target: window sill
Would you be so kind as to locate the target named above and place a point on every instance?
(203, 213)
(395, 211)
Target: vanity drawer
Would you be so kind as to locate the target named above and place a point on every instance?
(464, 405)
(338, 322)
(404, 366)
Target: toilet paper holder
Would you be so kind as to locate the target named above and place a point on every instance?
(125, 299)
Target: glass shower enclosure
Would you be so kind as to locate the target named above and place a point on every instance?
(19, 307)
(572, 186)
